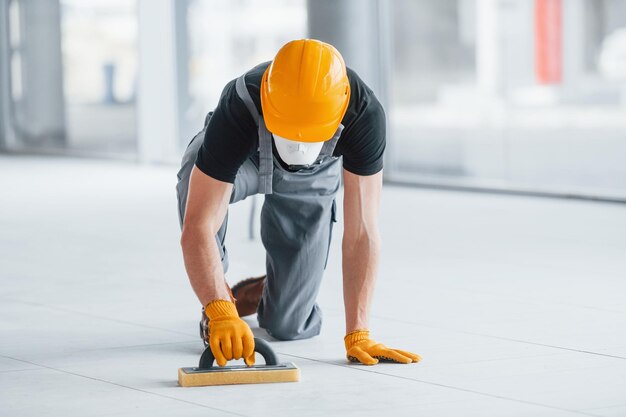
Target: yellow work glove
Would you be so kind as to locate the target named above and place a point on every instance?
(360, 348)
(229, 336)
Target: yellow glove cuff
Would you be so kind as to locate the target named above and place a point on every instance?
(356, 336)
(220, 308)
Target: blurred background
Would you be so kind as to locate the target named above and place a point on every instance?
(503, 95)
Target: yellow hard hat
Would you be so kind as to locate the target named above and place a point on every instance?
(305, 91)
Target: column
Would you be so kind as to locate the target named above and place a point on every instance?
(354, 28)
(158, 116)
(39, 109)
(4, 76)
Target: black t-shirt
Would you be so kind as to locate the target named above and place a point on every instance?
(231, 135)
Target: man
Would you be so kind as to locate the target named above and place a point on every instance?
(284, 129)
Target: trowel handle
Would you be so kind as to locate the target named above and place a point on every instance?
(260, 346)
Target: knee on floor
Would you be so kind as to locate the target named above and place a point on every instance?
(287, 331)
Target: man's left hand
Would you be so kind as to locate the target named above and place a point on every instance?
(360, 348)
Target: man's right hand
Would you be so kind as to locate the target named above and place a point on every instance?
(229, 336)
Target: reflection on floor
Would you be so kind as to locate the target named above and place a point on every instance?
(516, 304)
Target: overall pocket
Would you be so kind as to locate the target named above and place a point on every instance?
(333, 219)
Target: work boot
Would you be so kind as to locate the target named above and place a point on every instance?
(248, 295)
(204, 321)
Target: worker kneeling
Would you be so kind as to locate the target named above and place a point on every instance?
(286, 129)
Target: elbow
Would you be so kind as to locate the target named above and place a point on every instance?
(192, 235)
(185, 239)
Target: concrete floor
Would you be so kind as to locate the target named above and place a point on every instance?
(516, 304)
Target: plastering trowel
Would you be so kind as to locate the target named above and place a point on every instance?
(207, 374)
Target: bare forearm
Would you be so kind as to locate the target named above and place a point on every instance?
(360, 266)
(361, 245)
(204, 266)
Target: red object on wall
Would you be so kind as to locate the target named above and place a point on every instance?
(548, 41)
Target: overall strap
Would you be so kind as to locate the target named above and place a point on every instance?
(329, 145)
(244, 95)
(266, 161)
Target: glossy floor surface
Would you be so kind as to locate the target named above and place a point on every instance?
(517, 304)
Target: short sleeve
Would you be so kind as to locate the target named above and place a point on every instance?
(230, 138)
(362, 144)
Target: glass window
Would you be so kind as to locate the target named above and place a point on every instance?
(99, 52)
(510, 93)
(226, 38)
(72, 76)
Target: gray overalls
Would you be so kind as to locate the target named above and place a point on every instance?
(296, 225)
